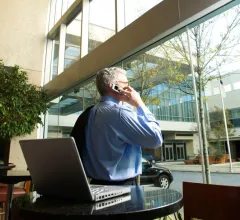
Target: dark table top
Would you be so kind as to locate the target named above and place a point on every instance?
(144, 203)
(14, 176)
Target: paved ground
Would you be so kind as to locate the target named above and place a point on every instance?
(222, 168)
(216, 178)
(220, 174)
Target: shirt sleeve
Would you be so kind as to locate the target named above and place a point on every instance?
(140, 128)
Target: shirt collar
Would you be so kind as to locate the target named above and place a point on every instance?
(109, 98)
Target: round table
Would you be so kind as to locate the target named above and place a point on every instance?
(143, 203)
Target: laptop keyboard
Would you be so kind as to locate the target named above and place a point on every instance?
(95, 186)
(99, 190)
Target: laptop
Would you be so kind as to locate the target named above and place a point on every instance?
(56, 170)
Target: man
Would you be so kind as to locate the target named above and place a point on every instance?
(115, 133)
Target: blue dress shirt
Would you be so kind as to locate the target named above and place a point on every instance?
(114, 137)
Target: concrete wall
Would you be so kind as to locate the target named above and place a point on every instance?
(16, 155)
(233, 137)
(192, 147)
(230, 99)
(178, 126)
(22, 40)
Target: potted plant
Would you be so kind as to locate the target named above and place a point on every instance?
(220, 152)
(219, 132)
(21, 106)
(188, 161)
(211, 157)
(219, 157)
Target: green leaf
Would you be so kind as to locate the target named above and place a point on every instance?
(21, 103)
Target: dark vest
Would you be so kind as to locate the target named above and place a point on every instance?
(78, 131)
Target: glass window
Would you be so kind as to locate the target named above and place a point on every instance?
(101, 22)
(235, 116)
(65, 109)
(53, 119)
(215, 49)
(151, 72)
(66, 5)
(59, 8)
(162, 76)
(131, 10)
(72, 45)
(236, 122)
(54, 63)
(235, 113)
(58, 11)
(91, 95)
(63, 113)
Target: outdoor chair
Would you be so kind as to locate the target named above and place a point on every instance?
(17, 191)
(210, 202)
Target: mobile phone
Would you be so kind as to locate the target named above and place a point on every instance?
(116, 88)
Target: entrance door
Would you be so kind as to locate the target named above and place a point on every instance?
(169, 153)
(180, 151)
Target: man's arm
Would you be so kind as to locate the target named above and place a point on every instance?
(140, 128)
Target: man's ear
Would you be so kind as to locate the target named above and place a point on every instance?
(110, 85)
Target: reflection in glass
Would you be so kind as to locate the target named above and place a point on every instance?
(151, 74)
(162, 75)
(155, 197)
(63, 114)
(60, 8)
(91, 95)
(235, 117)
(214, 47)
(131, 10)
(54, 63)
(111, 202)
(73, 37)
(53, 119)
(65, 110)
(164, 83)
(66, 5)
(101, 22)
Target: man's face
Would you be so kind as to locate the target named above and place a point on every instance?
(122, 81)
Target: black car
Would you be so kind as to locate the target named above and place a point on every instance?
(157, 175)
(151, 158)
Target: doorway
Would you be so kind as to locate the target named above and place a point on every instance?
(180, 151)
(169, 152)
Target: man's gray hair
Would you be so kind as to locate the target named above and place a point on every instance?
(106, 76)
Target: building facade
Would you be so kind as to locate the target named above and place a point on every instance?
(63, 43)
(231, 87)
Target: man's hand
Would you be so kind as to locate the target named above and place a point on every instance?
(131, 97)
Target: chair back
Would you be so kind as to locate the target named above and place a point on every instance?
(210, 202)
